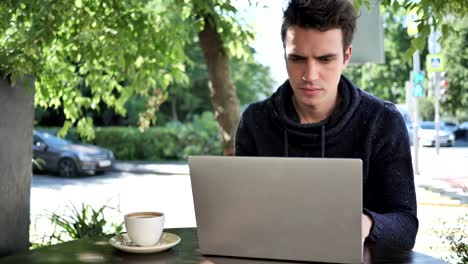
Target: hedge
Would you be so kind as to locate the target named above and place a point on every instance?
(174, 141)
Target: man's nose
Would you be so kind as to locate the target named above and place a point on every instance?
(311, 71)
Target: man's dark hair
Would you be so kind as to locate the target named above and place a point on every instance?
(321, 15)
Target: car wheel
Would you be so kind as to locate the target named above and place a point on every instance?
(67, 168)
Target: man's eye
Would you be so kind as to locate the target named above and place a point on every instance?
(325, 59)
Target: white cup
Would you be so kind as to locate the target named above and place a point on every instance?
(144, 228)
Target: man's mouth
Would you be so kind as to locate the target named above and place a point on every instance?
(311, 90)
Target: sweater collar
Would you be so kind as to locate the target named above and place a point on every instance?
(287, 117)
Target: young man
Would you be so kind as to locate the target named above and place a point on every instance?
(317, 112)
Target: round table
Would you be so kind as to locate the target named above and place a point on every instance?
(98, 250)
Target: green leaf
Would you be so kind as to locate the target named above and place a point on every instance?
(79, 3)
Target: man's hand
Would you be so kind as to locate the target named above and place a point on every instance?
(366, 226)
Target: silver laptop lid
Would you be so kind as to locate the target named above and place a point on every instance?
(301, 209)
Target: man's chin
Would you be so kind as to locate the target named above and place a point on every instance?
(311, 102)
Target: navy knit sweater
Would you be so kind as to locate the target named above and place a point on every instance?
(363, 127)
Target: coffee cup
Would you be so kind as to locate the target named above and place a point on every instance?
(144, 228)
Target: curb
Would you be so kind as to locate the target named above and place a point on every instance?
(446, 188)
(152, 168)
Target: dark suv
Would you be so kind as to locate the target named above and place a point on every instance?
(68, 159)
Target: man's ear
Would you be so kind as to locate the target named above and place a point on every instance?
(347, 55)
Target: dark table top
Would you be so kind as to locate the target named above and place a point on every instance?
(98, 250)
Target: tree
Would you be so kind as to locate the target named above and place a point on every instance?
(251, 79)
(120, 48)
(99, 44)
(433, 15)
(217, 33)
(253, 82)
(455, 48)
(387, 80)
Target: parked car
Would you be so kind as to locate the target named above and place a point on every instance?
(406, 116)
(409, 127)
(449, 125)
(462, 131)
(427, 134)
(68, 159)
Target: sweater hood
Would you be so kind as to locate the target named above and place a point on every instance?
(324, 132)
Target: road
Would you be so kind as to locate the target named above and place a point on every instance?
(127, 191)
(448, 167)
(173, 195)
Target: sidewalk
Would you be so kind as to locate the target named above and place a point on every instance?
(165, 168)
(441, 190)
(445, 174)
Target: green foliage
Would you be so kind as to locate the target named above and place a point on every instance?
(457, 239)
(455, 48)
(387, 80)
(433, 13)
(174, 141)
(38, 163)
(79, 223)
(117, 48)
(114, 49)
(426, 108)
(253, 81)
(235, 33)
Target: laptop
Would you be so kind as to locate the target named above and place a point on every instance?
(295, 209)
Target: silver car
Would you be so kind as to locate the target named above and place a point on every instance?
(462, 131)
(427, 134)
(69, 160)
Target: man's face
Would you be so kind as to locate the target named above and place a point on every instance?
(315, 61)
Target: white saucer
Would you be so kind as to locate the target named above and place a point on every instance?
(167, 241)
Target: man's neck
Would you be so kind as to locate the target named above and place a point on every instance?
(310, 114)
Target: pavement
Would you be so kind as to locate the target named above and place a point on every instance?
(440, 189)
(164, 168)
(440, 179)
(445, 173)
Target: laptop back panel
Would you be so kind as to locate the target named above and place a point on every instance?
(300, 209)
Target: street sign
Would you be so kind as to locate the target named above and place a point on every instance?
(412, 24)
(435, 63)
(418, 84)
(433, 42)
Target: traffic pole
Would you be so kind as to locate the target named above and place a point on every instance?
(416, 69)
(436, 78)
(434, 49)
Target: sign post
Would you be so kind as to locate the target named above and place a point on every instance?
(418, 89)
(435, 64)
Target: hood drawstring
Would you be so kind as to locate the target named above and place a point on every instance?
(286, 144)
(323, 141)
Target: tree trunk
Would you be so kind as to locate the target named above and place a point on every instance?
(222, 90)
(16, 134)
(174, 108)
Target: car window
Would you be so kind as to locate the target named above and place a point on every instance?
(405, 114)
(450, 124)
(428, 126)
(53, 140)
